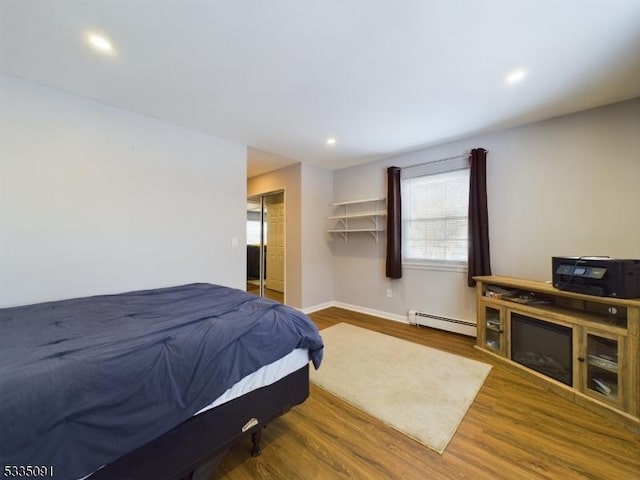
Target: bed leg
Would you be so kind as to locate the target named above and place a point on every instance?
(255, 439)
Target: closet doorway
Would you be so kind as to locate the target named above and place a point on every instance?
(266, 245)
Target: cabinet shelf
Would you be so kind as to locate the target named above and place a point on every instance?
(358, 216)
(546, 288)
(563, 313)
(606, 369)
(355, 202)
(585, 348)
(355, 230)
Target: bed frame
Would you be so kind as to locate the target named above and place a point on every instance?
(205, 438)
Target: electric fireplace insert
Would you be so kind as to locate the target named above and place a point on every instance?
(542, 346)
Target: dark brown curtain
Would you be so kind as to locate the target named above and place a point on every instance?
(479, 262)
(394, 224)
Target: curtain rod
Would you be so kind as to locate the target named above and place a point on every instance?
(435, 161)
(439, 160)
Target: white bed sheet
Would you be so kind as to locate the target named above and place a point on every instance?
(266, 375)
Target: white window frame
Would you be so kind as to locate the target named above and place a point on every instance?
(433, 168)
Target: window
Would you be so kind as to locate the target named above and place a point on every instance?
(435, 218)
(253, 232)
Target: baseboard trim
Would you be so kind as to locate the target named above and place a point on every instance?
(370, 311)
(315, 308)
(356, 308)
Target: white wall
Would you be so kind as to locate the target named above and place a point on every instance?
(317, 261)
(94, 200)
(565, 186)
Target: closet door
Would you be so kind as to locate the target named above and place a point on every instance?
(275, 242)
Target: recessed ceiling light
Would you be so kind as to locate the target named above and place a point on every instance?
(331, 141)
(100, 43)
(516, 76)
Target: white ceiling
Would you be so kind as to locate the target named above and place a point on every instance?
(381, 76)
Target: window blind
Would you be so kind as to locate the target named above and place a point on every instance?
(434, 211)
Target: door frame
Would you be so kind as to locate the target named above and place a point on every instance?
(260, 197)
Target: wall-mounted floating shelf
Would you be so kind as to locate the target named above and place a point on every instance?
(358, 216)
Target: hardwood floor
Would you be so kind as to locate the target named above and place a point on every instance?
(268, 293)
(513, 430)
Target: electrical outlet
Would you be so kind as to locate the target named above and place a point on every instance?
(234, 242)
(389, 293)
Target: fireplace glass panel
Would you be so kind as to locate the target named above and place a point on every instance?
(542, 346)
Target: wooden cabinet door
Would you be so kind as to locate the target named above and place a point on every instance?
(601, 362)
(492, 328)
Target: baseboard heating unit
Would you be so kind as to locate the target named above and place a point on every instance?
(442, 323)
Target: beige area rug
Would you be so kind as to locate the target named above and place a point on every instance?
(420, 391)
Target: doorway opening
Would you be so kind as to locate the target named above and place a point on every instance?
(266, 245)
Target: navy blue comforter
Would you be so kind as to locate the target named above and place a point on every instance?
(86, 380)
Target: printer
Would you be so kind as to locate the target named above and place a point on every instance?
(600, 276)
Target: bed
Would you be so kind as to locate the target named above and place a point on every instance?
(147, 384)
